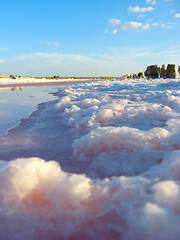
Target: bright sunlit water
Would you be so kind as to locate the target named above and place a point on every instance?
(17, 103)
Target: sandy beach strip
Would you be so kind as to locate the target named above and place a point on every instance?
(39, 82)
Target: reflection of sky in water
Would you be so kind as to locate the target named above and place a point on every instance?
(20, 102)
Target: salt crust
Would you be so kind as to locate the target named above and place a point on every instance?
(126, 128)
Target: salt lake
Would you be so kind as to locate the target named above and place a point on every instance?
(19, 102)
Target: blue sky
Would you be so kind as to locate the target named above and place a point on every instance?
(87, 37)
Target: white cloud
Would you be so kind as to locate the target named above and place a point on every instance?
(1, 60)
(106, 31)
(155, 24)
(124, 26)
(142, 15)
(115, 31)
(153, 2)
(128, 25)
(56, 44)
(114, 22)
(146, 26)
(137, 9)
(177, 15)
(163, 25)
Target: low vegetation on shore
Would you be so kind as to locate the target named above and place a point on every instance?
(59, 77)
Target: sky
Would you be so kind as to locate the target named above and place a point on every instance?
(87, 38)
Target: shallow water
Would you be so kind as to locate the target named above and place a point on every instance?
(17, 103)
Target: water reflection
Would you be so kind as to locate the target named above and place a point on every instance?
(18, 102)
(10, 88)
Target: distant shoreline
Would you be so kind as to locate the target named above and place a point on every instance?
(48, 83)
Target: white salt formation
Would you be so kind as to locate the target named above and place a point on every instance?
(124, 135)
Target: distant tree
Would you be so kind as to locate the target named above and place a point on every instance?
(179, 69)
(12, 76)
(140, 75)
(163, 71)
(171, 71)
(152, 71)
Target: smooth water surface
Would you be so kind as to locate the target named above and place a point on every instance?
(17, 103)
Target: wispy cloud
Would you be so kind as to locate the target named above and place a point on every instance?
(43, 63)
(56, 44)
(160, 24)
(154, 24)
(1, 60)
(51, 57)
(142, 15)
(114, 62)
(153, 2)
(137, 9)
(146, 26)
(175, 47)
(167, 24)
(115, 31)
(3, 48)
(177, 15)
(106, 31)
(114, 22)
(131, 52)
